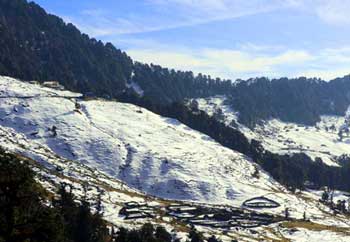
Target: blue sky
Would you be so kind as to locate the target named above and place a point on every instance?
(225, 38)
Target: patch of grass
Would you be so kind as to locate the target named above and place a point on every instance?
(277, 234)
(315, 227)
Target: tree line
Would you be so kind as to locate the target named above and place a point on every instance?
(299, 100)
(29, 213)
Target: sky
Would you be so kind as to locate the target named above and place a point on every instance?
(231, 39)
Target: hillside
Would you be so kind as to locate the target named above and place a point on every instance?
(248, 160)
(328, 139)
(129, 154)
(157, 155)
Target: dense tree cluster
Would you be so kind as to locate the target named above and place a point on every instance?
(148, 233)
(165, 86)
(26, 216)
(39, 46)
(298, 100)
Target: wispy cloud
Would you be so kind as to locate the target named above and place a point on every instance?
(169, 14)
(195, 12)
(158, 15)
(217, 9)
(335, 12)
(199, 11)
(92, 21)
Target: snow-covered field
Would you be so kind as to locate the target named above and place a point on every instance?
(132, 154)
(321, 140)
(153, 154)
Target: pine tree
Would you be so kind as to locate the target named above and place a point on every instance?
(195, 236)
(213, 239)
(23, 216)
(162, 235)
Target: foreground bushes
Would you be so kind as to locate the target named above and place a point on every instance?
(25, 213)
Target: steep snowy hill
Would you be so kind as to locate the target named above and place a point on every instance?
(328, 139)
(134, 155)
(157, 155)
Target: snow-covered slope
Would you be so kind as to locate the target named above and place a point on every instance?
(157, 155)
(321, 140)
(130, 153)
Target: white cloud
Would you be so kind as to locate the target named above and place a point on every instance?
(241, 63)
(223, 63)
(325, 74)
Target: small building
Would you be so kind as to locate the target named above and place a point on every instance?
(34, 82)
(54, 85)
(310, 185)
(89, 95)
